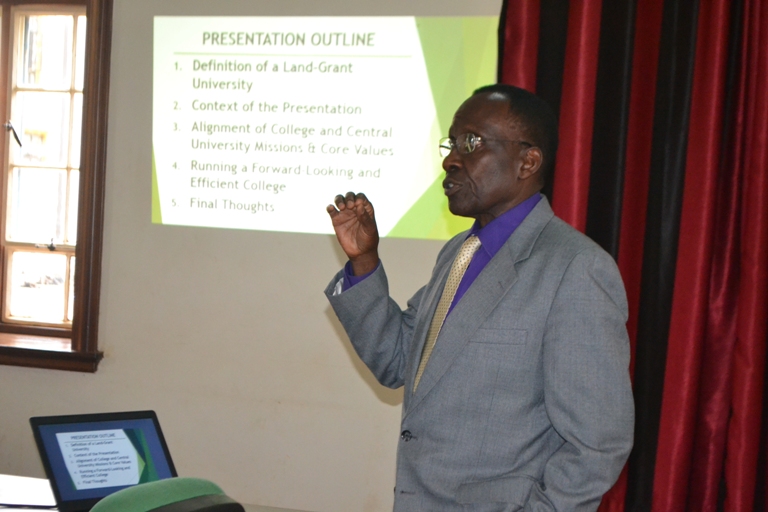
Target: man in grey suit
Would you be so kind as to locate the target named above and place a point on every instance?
(523, 401)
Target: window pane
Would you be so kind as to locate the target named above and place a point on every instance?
(80, 56)
(71, 304)
(42, 121)
(37, 286)
(74, 185)
(46, 52)
(38, 202)
(77, 129)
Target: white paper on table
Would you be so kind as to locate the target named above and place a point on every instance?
(23, 490)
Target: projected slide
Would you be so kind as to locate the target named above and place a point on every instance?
(102, 458)
(259, 122)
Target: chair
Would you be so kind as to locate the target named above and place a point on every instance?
(179, 494)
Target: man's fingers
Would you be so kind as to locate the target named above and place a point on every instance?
(368, 207)
(351, 200)
(359, 200)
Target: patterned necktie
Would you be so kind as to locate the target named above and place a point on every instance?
(460, 264)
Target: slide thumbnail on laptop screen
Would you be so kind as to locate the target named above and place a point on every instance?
(89, 457)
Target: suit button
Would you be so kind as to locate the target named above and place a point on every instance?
(406, 435)
(542, 486)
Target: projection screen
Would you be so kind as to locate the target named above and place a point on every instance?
(258, 122)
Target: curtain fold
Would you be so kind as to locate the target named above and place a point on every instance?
(687, 415)
(519, 29)
(638, 157)
(720, 330)
(663, 110)
(752, 329)
(571, 187)
(609, 132)
(666, 176)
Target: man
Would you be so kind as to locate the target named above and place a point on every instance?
(523, 400)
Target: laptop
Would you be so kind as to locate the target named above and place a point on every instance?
(89, 456)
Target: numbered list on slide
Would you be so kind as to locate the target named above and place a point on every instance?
(259, 122)
(96, 459)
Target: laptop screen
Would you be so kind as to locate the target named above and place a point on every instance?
(90, 456)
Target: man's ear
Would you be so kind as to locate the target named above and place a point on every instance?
(531, 163)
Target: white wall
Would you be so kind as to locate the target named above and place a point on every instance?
(226, 334)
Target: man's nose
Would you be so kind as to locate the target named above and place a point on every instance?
(452, 162)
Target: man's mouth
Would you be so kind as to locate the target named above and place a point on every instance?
(450, 187)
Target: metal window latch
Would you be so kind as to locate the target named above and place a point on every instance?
(9, 127)
(51, 246)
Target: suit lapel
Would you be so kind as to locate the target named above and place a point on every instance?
(493, 283)
(429, 304)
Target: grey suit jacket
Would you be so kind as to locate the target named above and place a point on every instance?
(526, 401)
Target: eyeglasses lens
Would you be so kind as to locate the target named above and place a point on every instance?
(464, 144)
(445, 147)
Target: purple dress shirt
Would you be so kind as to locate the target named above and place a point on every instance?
(492, 237)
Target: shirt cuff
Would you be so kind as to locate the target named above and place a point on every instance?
(351, 280)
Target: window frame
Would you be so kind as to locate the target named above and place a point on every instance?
(55, 347)
(64, 246)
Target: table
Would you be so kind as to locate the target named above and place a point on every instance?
(37, 491)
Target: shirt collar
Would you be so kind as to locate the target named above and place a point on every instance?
(496, 232)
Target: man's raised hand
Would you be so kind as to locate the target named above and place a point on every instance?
(355, 226)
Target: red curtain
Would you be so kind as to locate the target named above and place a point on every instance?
(691, 235)
(692, 415)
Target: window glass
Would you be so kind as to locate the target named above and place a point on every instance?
(38, 201)
(46, 52)
(80, 55)
(77, 128)
(71, 301)
(42, 122)
(74, 187)
(37, 286)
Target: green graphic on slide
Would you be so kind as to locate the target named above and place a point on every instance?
(72, 486)
(157, 214)
(472, 45)
(147, 470)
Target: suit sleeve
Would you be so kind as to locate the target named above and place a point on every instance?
(380, 331)
(587, 389)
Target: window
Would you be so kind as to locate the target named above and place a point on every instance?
(54, 64)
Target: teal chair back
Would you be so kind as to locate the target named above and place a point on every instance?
(179, 494)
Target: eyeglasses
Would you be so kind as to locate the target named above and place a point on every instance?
(468, 142)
